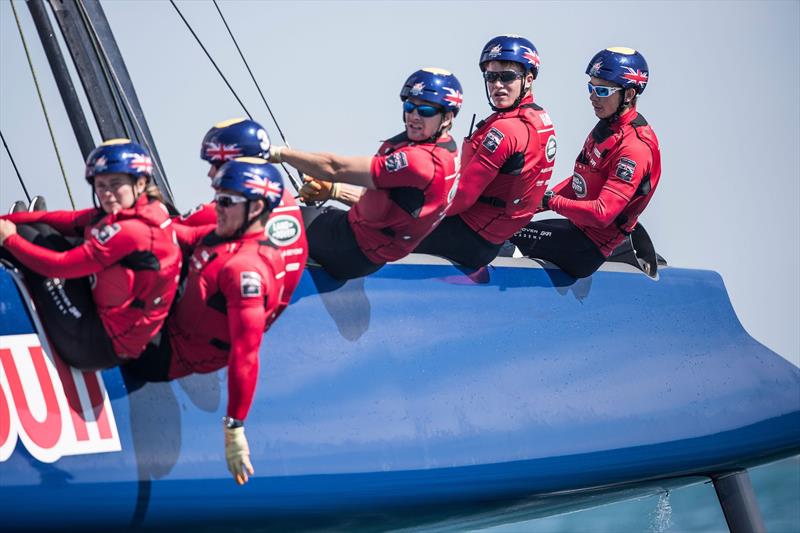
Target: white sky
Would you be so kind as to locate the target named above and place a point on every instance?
(723, 100)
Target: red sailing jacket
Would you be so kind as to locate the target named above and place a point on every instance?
(133, 256)
(232, 289)
(614, 179)
(284, 229)
(413, 182)
(505, 166)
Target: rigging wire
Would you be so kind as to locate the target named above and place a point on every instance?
(208, 55)
(126, 106)
(44, 108)
(296, 181)
(19, 176)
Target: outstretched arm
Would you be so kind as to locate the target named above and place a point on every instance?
(326, 166)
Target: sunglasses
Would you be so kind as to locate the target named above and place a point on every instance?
(424, 110)
(602, 91)
(504, 76)
(226, 200)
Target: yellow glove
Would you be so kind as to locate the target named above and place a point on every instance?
(314, 190)
(237, 453)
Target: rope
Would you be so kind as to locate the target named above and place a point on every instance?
(127, 107)
(44, 108)
(208, 55)
(296, 180)
(19, 176)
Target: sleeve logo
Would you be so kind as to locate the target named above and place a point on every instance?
(625, 169)
(283, 230)
(105, 233)
(550, 149)
(579, 185)
(493, 140)
(250, 284)
(396, 161)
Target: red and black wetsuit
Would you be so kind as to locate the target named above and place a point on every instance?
(505, 167)
(615, 176)
(412, 181)
(133, 258)
(284, 229)
(232, 289)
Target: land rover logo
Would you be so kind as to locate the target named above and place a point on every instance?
(550, 149)
(578, 185)
(283, 230)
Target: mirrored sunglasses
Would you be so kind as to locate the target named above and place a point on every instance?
(424, 110)
(504, 76)
(602, 91)
(227, 200)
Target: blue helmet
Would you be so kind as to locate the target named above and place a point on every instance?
(624, 66)
(119, 156)
(253, 178)
(434, 85)
(236, 137)
(511, 48)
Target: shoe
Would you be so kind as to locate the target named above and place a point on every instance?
(37, 204)
(18, 207)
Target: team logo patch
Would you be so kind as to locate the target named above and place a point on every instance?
(396, 162)
(250, 284)
(493, 140)
(417, 88)
(625, 169)
(595, 70)
(550, 149)
(283, 230)
(496, 50)
(104, 234)
(578, 185)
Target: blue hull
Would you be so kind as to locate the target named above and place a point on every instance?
(418, 394)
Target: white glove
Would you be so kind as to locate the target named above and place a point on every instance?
(237, 453)
(275, 154)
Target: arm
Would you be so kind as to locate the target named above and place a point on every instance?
(91, 257)
(65, 222)
(482, 168)
(327, 166)
(626, 172)
(314, 190)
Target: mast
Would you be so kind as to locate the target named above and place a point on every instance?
(102, 73)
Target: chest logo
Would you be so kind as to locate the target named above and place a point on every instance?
(396, 161)
(104, 234)
(578, 185)
(283, 230)
(550, 149)
(493, 139)
(625, 169)
(250, 284)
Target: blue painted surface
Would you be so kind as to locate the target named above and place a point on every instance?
(420, 392)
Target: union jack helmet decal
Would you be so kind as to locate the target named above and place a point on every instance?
(121, 156)
(253, 178)
(436, 86)
(236, 137)
(624, 66)
(511, 48)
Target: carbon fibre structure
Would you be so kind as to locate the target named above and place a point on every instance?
(420, 395)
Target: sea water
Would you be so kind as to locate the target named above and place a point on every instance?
(694, 508)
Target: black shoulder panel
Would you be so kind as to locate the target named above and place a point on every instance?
(141, 261)
(410, 199)
(638, 121)
(601, 131)
(212, 239)
(513, 164)
(450, 145)
(218, 302)
(535, 107)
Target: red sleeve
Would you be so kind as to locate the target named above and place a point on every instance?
(565, 189)
(495, 147)
(201, 215)
(626, 170)
(190, 236)
(245, 288)
(65, 222)
(411, 166)
(108, 245)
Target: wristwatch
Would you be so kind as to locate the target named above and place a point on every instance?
(232, 423)
(546, 199)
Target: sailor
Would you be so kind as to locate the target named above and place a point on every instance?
(128, 249)
(234, 285)
(615, 174)
(406, 183)
(505, 163)
(241, 137)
